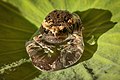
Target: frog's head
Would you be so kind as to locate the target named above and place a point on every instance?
(58, 25)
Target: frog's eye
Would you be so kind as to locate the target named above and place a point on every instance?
(46, 31)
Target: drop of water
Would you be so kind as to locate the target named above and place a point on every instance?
(91, 41)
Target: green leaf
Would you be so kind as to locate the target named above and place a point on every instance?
(15, 30)
(20, 19)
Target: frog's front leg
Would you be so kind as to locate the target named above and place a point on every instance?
(32, 48)
(38, 39)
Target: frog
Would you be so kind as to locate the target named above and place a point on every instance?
(59, 43)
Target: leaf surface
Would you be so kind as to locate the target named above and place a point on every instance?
(100, 61)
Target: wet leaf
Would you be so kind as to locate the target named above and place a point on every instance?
(21, 18)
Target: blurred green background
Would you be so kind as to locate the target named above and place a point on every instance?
(20, 19)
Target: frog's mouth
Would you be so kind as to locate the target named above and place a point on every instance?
(58, 38)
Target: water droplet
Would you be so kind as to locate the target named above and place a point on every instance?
(91, 41)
